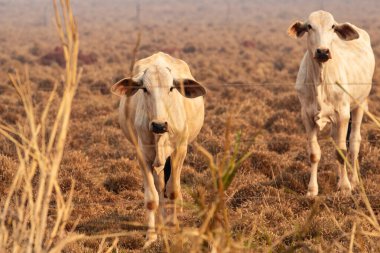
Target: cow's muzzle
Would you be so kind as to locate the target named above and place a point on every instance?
(322, 55)
(159, 127)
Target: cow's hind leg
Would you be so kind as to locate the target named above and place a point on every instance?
(161, 176)
(340, 140)
(314, 154)
(334, 134)
(173, 187)
(355, 139)
(168, 169)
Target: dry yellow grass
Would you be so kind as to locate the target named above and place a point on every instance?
(35, 213)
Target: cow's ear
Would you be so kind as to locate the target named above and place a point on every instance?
(346, 32)
(297, 29)
(189, 88)
(126, 87)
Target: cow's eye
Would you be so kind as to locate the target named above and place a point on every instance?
(309, 27)
(333, 27)
(171, 88)
(145, 90)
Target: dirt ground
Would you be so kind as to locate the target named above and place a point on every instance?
(240, 51)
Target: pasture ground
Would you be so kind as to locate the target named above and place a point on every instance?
(240, 51)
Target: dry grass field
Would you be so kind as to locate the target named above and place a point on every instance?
(239, 50)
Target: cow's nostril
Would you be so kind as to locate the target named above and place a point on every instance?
(322, 54)
(159, 128)
(323, 51)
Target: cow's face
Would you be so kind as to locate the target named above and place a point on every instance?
(160, 92)
(322, 30)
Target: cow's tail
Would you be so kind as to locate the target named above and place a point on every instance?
(167, 169)
(349, 131)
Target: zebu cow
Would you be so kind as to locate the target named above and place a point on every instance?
(336, 54)
(162, 109)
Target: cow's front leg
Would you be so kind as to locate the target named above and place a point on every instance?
(341, 142)
(173, 187)
(314, 154)
(151, 204)
(151, 198)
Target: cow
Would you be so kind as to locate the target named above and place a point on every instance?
(161, 111)
(333, 85)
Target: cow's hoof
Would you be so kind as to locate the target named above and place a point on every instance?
(344, 186)
(311, 194)
(354, 183)
(151, 237)
(312, 191)
(345, 191)
(172, 222)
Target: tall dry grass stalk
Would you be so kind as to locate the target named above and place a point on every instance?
(35, 212)
(214, 232)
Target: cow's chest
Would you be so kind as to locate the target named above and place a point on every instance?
(328, 101)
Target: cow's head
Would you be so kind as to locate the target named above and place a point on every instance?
(322, 30)
(160, 94)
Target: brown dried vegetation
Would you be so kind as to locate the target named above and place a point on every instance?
(249, 66)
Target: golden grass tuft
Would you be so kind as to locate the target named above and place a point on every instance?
(35, 212)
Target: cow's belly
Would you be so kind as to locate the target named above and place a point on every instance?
(359, 94)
